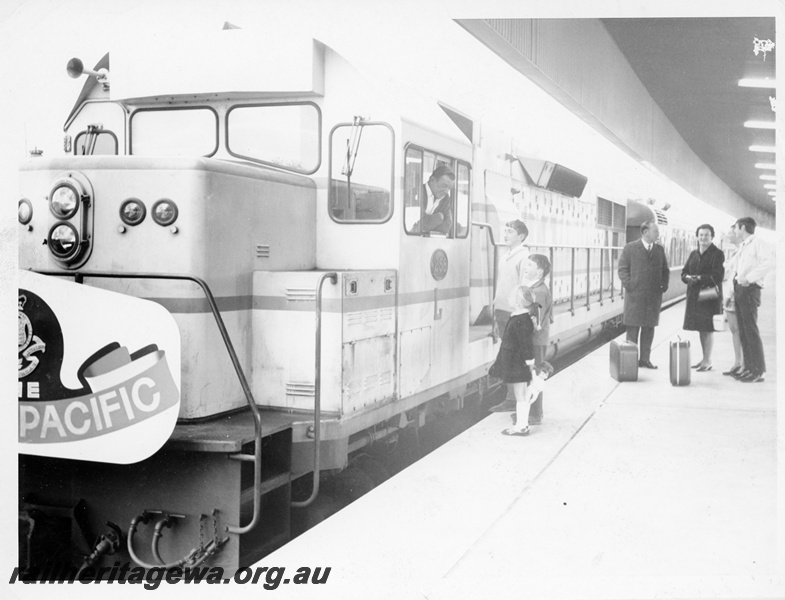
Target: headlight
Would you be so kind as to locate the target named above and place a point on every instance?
(164, 212)
(25, 211)
(64, 201)
(132, 211)
(63, 240)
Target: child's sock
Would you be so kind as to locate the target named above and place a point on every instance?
(522, 415)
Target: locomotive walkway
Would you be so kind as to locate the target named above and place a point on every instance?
(631, 490)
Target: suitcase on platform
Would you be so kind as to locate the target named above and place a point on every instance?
(624, 361)
(680, 362)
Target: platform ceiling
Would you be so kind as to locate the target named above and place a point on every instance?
(691, 68)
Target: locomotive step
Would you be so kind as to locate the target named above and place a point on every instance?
(226, 433)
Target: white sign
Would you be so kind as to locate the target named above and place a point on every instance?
(99, 372)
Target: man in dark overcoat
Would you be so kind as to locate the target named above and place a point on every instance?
(644, 273)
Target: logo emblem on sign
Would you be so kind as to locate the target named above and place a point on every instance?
(29, 344)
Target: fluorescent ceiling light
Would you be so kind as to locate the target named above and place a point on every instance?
(772, 193)
(759, 124)
(758, 83)
(771, 166)
(770, 186)
(769, 177)
(763, 149)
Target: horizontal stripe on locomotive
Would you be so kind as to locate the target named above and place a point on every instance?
(307, 304)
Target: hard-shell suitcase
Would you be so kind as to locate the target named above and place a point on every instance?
(624, 361)
(680, 362)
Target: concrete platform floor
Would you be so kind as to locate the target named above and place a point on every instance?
(633, 490)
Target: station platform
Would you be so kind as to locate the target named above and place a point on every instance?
(627, 490)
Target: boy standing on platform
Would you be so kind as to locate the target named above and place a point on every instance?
(510, 272)
(535, 270)
(511, 268)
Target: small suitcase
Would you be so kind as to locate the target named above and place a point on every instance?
(680, 362)
(624, 361)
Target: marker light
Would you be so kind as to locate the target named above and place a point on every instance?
(165, 212)
(759, 124)
(758, 83)
(63, 240)
(133, 211)
(25, 211)
(64, 200)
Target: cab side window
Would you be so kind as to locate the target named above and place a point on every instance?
(361, 172)
(436, 194)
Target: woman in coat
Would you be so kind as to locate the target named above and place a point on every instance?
(703, 269)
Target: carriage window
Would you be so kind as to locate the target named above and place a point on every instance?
(285, 135)
(436, 194)
(361, 172)
(174, 132)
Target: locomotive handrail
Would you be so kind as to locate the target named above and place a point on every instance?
(572, 280)
(317, 395)
(601, 265)
(257, 418)
(488, 227)
(578, 247)
(588, 277)
(573, 275)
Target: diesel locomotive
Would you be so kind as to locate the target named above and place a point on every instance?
(266, 217)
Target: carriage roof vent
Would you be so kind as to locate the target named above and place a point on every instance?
(552, 176)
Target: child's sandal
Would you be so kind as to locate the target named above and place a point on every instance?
(516, 432)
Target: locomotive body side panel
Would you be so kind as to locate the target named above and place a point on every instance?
(358, 322)
(231, 219)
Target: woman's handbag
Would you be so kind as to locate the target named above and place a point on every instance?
(708, 293)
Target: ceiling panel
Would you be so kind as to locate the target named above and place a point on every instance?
(691, 68)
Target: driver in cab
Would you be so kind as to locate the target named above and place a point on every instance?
(438, 201)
